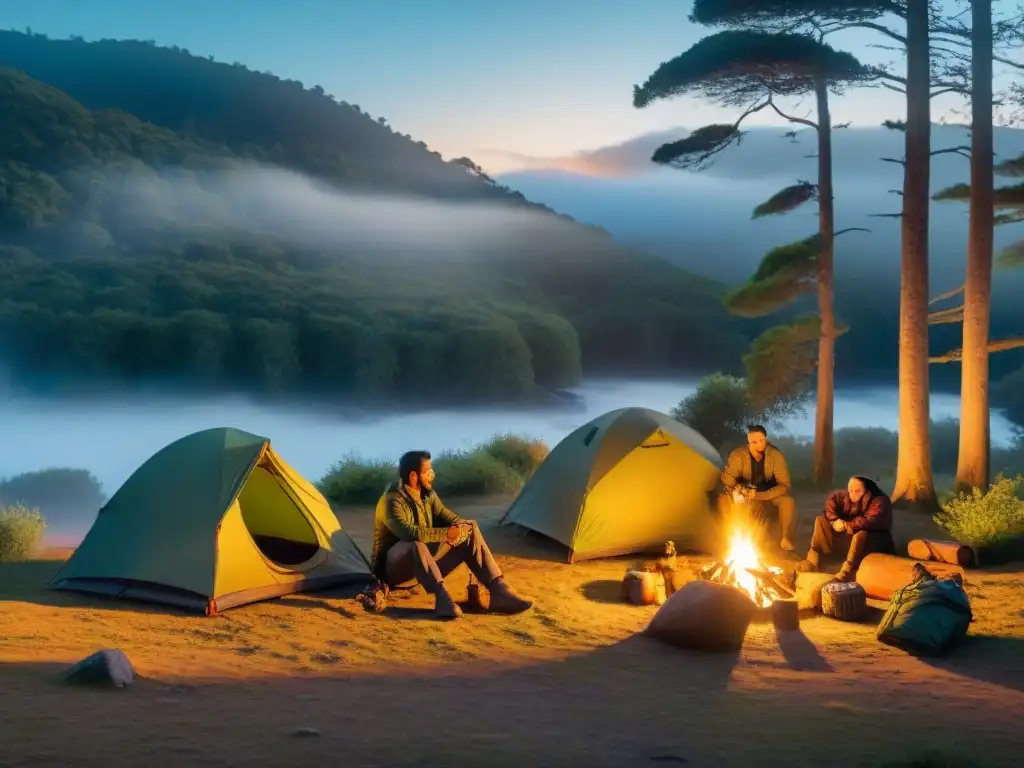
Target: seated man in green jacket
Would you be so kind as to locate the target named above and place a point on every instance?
(416, 538)
(757, 474)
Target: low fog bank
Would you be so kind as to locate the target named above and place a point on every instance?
(246, 201)
(111, 437)
(702, 220)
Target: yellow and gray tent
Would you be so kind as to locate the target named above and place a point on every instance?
(214, 520)
(626, 482)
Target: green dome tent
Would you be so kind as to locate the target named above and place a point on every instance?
(626, 482)
(213, 520)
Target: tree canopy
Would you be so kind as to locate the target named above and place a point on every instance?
(787, 12)
(736, 67)
(90, 290)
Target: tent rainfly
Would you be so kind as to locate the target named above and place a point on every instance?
(624, 483)
(214, 520)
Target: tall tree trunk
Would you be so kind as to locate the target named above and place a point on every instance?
(972, 468)
(914, 466)
(823, 435)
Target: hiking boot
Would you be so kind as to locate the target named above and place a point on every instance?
(444, 606)
(505, 600)
(806, 566)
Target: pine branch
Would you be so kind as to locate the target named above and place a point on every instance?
(763, 297)
(895, 125)
(1009, 62)
(947, 316)
(880, 28)
(701, 145)
(958, 192)
(961, 150)
(1009, 218)
(1013, 167)
(1012, 256)
(782, 360)
(999, 345)
(947, 295)
(791, 118)
(1004, 197)
(787, 199)
(796, 260)
(1002, 345)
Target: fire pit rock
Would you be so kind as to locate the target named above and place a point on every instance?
(704, 615)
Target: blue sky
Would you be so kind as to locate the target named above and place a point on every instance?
(533, 77)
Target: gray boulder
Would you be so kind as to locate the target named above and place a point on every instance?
(104, 668)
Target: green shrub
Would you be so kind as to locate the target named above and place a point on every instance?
(720, 409)
(501, 465)
(355, 480)
(991, 519)
(520, 453)
(21, 530)
(474, 473)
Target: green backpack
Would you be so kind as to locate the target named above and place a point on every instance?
(928, 616)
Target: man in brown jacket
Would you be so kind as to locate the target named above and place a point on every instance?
(416, 538)
(757, 474)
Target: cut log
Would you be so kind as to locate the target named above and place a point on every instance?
(785, 615)
(808, 589)
(844, 601)
(950, 552)
(881, 575)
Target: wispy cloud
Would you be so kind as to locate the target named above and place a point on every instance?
(631, 157)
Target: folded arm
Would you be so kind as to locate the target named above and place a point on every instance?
(832, 506)
(400, 521)
(441, 513)
(877, 517)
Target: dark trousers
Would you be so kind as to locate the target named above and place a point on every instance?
(862, 543)
(428, 564)
(761, 511)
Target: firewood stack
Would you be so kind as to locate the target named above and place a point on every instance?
(768, 582)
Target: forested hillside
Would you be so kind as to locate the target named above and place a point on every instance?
(110, 271)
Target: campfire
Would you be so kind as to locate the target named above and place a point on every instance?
(743, 569)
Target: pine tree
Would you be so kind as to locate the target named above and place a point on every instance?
(749, 70)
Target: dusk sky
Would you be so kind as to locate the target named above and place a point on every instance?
(540, 78)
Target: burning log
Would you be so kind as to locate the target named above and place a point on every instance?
(742, 569)
(772, 579)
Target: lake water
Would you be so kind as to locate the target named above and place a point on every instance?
(112, 438)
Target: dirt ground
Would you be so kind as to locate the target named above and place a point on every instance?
(568, 684)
